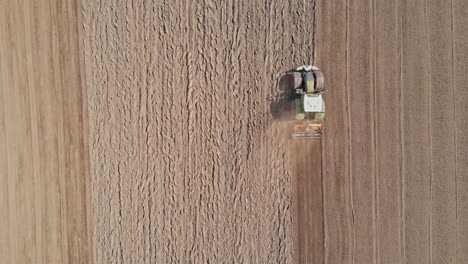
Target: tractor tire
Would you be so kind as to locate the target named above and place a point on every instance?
(319, 81)
(296, 80)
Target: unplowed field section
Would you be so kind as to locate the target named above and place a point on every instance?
(43, 145)
(395, 149)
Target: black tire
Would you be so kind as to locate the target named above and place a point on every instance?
(319, 81)
(296, 80)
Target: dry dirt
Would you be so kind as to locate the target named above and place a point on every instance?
(396, 146)
(186, 162)
(43, 134)
(307, 201)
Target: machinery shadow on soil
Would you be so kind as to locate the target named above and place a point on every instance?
(280, 105)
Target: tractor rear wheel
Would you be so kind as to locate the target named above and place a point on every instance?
(319, 81)
(296, 80)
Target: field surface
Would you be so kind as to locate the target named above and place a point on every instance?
(144, 132)
(44, 179)
(187, 162)
(395, 153)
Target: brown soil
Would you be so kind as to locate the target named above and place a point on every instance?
(188, 163)
(395, 145)
(43, 134)
(307, 201)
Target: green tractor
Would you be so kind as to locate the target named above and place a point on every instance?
(308, 105)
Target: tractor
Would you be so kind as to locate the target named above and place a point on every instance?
(308, 105)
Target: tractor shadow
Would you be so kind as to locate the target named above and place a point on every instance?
(280, 105)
